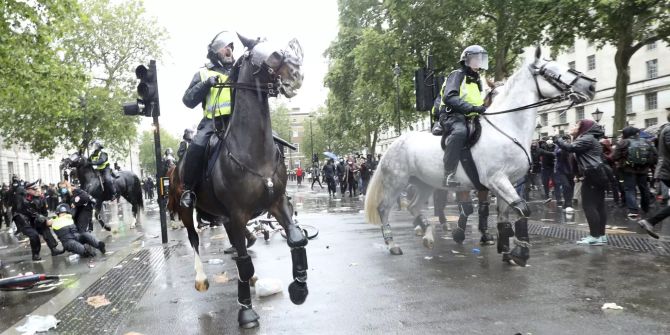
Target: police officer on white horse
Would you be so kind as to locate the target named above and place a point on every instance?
(461, 95)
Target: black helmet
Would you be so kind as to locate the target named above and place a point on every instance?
(97, 145)
(63, 208)
(475, 56)
(220, 49)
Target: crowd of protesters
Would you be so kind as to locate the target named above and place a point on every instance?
(350, 174)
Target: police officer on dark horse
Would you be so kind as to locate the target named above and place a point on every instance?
(96, 179)
(246, 175)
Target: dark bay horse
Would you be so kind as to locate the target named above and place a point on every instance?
(127, 184)
(248, 175)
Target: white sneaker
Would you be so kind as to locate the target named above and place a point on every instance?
(569, 210)
(590, 240)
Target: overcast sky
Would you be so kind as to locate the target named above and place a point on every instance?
(191, 25)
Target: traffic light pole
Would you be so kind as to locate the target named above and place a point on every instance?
(159, 178)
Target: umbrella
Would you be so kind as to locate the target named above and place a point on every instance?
(331, 155)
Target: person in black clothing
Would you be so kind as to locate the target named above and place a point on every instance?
(186, 141)
(588, 152)
(365, 176)
(536, 167)
(73, 240)
(316, 175)
(547, 160)
(5, 206)
(30, 215)
(82, 204)
(662, 173)
(340, 176)
(329, 175)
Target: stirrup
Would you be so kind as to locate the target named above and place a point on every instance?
(187, 199)
(450, 180)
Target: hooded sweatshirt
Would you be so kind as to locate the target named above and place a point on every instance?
(586, 146)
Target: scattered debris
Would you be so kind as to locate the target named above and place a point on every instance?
(455, 252)
(91, 265)
(174, 301)
(98, 301)
(219, 237)
(215, 261)
(353, 264)
(268, 308)
(136, 258)
(476, 251)
(428, 258)
(221, 278)
(610, 305)
(268, 286)
(133, 333)
(38, 323)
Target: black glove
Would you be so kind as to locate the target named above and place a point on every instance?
(211, 81)
(478, 109)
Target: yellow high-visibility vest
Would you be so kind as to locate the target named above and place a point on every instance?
(216, 107)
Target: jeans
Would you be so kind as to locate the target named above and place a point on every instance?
(547, 174)
(565, 187)
(593, 203)
(631, 180)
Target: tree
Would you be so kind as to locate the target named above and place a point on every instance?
(628, 25)
(280, 121)
(37, 88)
(313, 133)
(147, 149)
(66, 67)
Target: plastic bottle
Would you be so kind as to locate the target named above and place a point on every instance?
(74, 258)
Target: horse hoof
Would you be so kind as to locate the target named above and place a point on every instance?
(107, 227)
(458, 235)
(396, 251)
(251, 239)
(506, 258)
(428, 243)
(202, 286)
(298, 292)
(247, 318)
(418, 231)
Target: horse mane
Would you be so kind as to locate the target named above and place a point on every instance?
(509, 84)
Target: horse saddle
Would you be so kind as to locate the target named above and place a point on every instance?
(474, 129)
(213, 150)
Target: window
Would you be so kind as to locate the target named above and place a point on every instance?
(295, 133)
(10, 169)
(652, 69)
(544, 119)
(591, 62)
(26, 168)
(39, 170)
(651, 46)
(563, 117)
(650, 122)
(51, 173)
(571, 64)
(629, 105)
(579, 113)
(651, 101)
(297, 147)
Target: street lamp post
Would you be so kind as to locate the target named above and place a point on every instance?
(597, 115)
(396, 73)
(538, 128)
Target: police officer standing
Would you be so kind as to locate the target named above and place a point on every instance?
(462, 97)
(216, 105)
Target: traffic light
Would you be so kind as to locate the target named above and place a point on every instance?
(147, 89)
(423, 91)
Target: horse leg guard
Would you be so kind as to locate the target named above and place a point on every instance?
(465, 209)
(419, 222)
(298, 288)
(521, 207)
(295, 237)
(505, 231)
(521, 251)
(246, 316)
(483, 212)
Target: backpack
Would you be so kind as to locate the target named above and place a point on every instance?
(639, 152)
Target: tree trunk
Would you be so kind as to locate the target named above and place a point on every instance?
(501, 45)
(621, 60)
(374, 142)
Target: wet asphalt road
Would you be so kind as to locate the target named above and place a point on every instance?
(356, 286)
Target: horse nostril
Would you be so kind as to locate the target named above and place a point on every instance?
(592, 88)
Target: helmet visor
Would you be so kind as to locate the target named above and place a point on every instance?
(477, 60)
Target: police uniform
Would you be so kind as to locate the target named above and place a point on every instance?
(100, 162)
(72, 238)
(30, 216)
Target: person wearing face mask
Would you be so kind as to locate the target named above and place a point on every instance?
(216, 105)
(82, 205)
(30, 216)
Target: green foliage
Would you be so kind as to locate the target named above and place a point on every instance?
(280, 121)
(148, 153)
(66, 67)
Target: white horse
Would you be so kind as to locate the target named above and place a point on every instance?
(501, 154)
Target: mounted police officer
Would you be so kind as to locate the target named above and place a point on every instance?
(100, 161)
(462, 97)
(216, 105)
(187, 138)
(168, 159)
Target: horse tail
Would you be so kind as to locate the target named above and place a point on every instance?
(374, 196)
(174, 193)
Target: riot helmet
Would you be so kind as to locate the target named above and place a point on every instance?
(475, 57)
(96, 145)
(63, 209)
(220, 49)
(168, 151)
(188, 135)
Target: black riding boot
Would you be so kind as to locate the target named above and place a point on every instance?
(452, 155)
(192, 173)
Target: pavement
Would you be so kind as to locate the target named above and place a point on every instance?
(355, 285)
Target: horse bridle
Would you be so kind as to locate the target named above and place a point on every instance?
(270, 88)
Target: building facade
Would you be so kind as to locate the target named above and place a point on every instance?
(299, 134)
(648, 94)
(387, 137)
(19, 160)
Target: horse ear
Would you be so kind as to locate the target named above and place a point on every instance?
(538, 53)
(247, 42)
